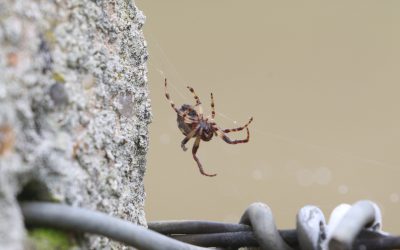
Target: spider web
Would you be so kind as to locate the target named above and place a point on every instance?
(180, 81)
(178, 85)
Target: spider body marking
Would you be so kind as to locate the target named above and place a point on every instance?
(187, 128)
(192, 124)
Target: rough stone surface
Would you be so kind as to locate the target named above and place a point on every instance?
(74, 110)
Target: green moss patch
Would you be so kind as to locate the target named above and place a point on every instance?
(50, 239)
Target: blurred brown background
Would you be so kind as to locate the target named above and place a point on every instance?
(322, 82)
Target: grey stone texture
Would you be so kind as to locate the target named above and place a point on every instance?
(74, 110)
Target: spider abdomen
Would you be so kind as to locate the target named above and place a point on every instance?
(186, 128)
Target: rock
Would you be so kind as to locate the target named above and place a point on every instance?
(74, 110)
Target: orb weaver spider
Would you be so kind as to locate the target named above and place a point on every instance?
(193, 124)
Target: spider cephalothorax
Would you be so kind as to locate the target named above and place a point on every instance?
(193, 124)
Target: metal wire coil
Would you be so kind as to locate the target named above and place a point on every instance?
(350, 227)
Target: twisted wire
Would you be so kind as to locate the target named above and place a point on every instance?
(349, 227)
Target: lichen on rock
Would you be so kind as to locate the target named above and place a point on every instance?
(74, 109)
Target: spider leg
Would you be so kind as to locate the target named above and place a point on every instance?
(186, 118)
(212, 106)
(194, 151)
(184, 115)
(188, 137)
(198, 102)
(221, 134)
(170, 101)
(195, 96)
(239, 128)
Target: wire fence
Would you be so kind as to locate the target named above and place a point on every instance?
(350, 227)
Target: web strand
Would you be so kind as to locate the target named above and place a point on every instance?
(265, 133)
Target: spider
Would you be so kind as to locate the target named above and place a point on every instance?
(193, 124)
